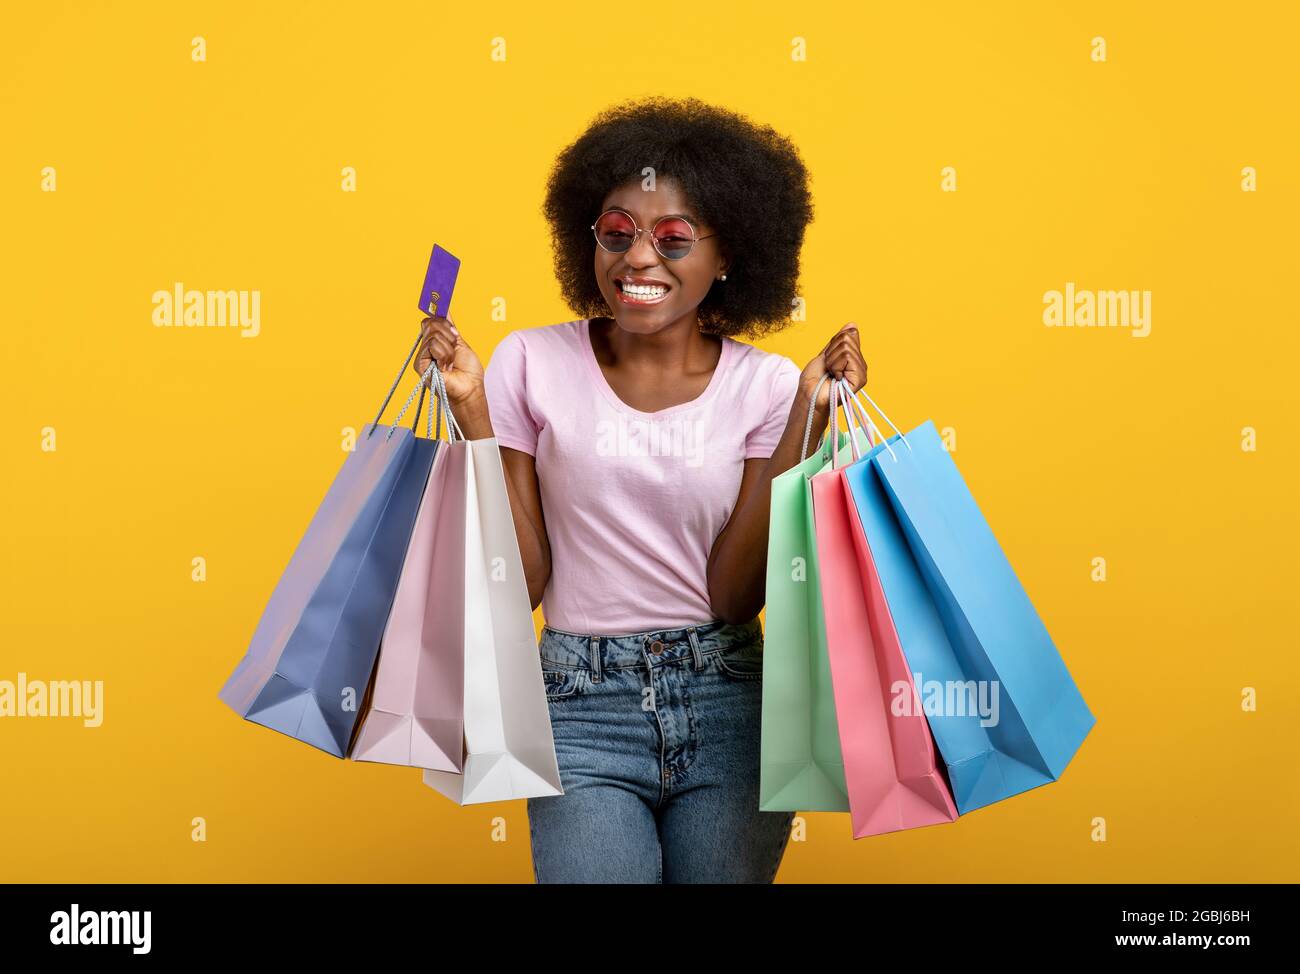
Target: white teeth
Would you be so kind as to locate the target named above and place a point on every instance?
(645, 290)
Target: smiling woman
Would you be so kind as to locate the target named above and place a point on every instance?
(741, 185)
(673, 237)
(640, 441)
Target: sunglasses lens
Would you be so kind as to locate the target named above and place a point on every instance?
(674, 238)
(615, 231)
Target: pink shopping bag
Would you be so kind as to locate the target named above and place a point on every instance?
(894, 781)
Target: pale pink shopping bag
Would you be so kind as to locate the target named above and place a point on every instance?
(894, 781)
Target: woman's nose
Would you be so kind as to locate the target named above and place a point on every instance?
(642, 252)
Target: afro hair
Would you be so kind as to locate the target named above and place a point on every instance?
(745, 180)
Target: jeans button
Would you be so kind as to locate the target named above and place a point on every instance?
(656, 647)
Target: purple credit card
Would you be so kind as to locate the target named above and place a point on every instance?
(439, 280)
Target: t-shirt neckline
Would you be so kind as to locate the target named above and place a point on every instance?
(598, 376)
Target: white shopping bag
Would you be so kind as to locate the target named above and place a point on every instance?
(509, 746)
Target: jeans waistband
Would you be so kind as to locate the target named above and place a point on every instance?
(594, 652)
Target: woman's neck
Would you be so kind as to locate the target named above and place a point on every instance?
(677, 347)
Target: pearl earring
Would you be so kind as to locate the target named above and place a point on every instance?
(723, 277)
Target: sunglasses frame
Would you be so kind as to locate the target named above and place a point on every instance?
(696, 237)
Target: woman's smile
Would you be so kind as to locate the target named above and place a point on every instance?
(640, 291)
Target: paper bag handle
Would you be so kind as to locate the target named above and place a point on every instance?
(393, 388)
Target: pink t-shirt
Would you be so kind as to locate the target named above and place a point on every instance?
(633, 501)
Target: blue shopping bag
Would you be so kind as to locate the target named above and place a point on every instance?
(1004, 710)
(310, 661)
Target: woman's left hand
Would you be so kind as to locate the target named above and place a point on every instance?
(842, 358)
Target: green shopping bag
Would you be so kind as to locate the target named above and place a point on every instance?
(801, 766)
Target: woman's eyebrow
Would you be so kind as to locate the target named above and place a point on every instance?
(683, 216)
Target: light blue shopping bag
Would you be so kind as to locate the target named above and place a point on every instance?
(1005, 712)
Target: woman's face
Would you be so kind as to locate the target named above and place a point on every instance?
(688, 280)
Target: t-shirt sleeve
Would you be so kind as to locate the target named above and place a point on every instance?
(505, 385)
(783, 385)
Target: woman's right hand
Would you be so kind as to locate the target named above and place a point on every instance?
(462, 373)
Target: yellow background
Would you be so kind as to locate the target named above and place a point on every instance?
(1078, 443)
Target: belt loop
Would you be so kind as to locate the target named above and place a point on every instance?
(695, 647)
(595, 659)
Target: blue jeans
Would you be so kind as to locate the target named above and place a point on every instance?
(657, 739)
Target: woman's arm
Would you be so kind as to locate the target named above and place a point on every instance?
(463, 377)
(525, 496)
(737, 568)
